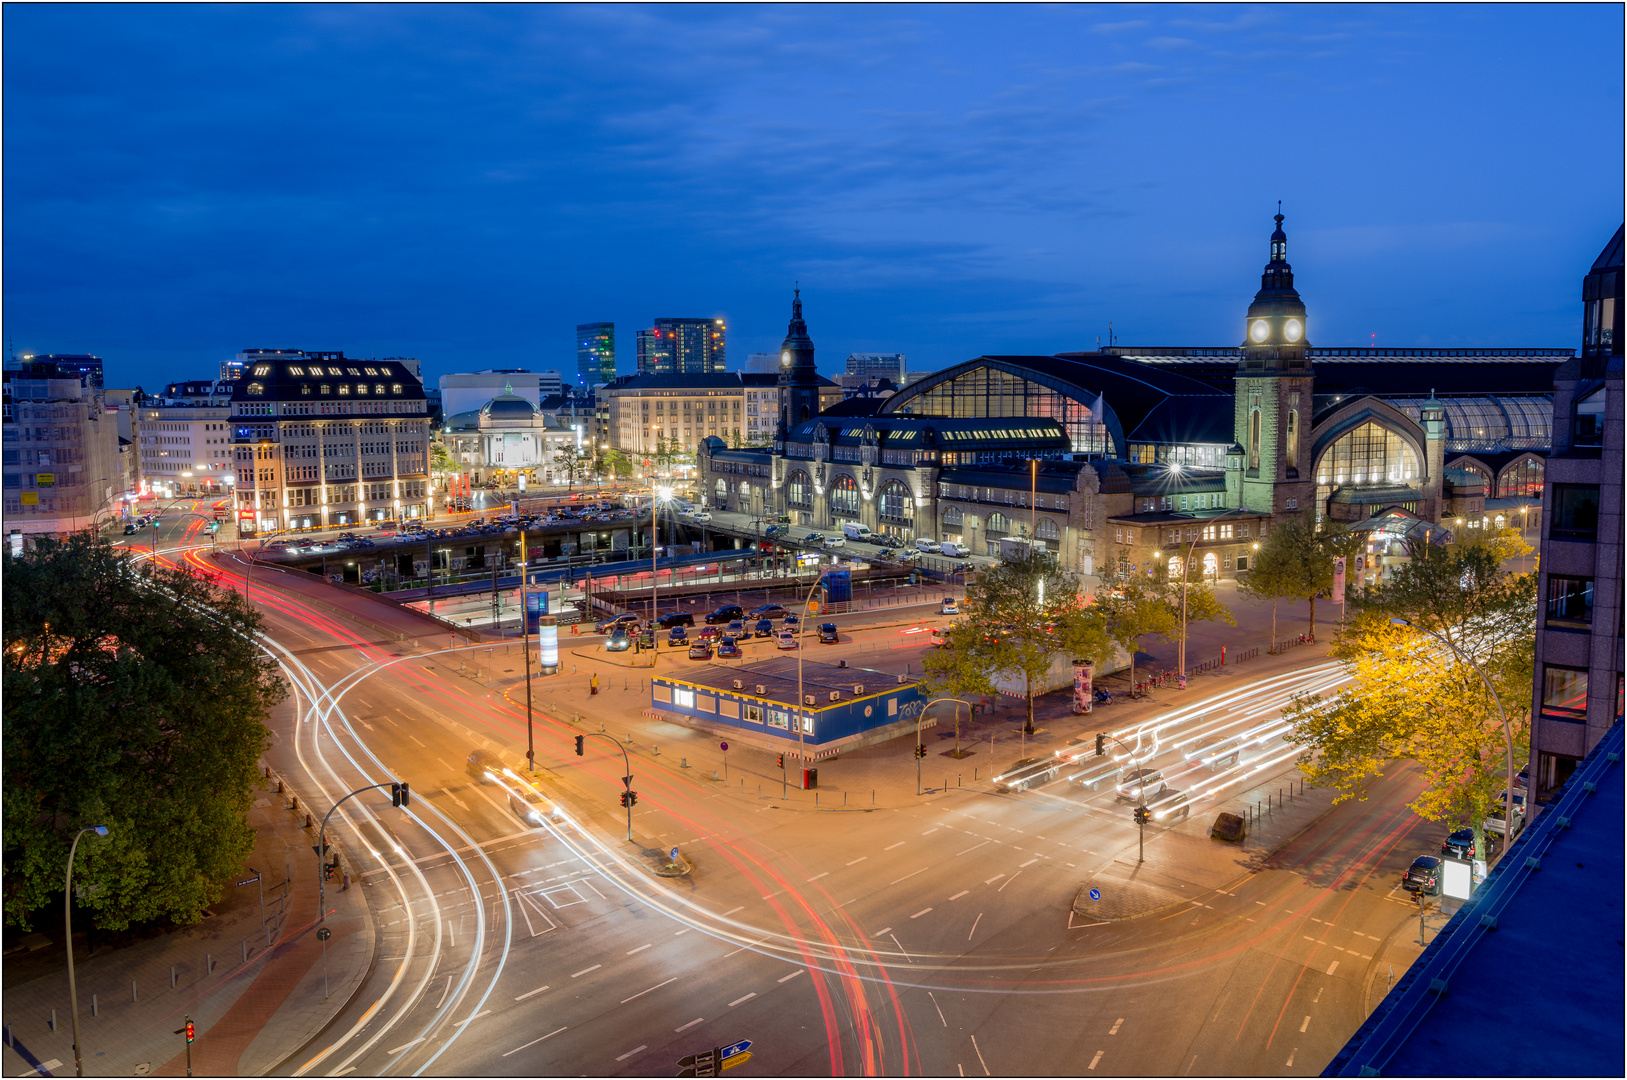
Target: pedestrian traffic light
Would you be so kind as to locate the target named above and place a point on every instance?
(579, 739)
(1101, 744)
(780, 761)
(191, 1031)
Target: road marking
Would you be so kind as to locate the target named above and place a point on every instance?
(883, 930)
(1290, 1060)
(686, 1027)
(414, 738)
(534, 1042)
(918, 914)
(1116, 1023)
(935, 1006)
(1307, 937)
(731, 911)
(791, 976)
(737, 1001)
(929, 832)
(584, 971)
(641, 993)
(973, 930)
(748, 945)
(473, 1018)
(640, 949)
(960, 894)
(1009, 880)
(1030, 862)
(685, 930)
(906, 877)
(901, 948)
(530, 994)
(889, 847)
(980, 1060)
(636, 1049)
(859, 860)
(1306, 1024)
(993, 879)
(403, 1046)
(1095, 1059)
(974, 847)
(1333, 967)
(816, 877)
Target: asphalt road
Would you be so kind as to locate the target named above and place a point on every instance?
(930, 938)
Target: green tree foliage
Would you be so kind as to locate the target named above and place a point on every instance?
(440, 459)
(1013, 632)
(1411, 696)
(1295, 562)
(134, 698)
(615, 462)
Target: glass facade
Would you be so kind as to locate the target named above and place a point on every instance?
(986, 392)
(844, 497)
(1570, 600)
(1516, 421)
(1369, 454)
(798, 491)
(1564, 694)
(896, 505)
(1521, 480)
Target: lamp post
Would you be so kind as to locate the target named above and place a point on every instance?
(1508, 735)
(660, 495)
(802, 628)
(67, 914)
(1186, 566)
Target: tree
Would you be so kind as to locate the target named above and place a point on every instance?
(134, 697)
(1413, 697)
(1132, 604)
(1025, 611)
(440, 460)
(1295, 562)
(573, 460)
(617, 463)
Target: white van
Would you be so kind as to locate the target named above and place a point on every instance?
(854, 531)
(954, 550)
(929, 547)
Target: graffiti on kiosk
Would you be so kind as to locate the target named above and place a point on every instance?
(909, 709)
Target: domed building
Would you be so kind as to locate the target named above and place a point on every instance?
(506, 437)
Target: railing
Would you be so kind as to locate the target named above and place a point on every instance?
(1289, 643)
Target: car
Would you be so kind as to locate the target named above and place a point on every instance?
(129, 530)
(768, 611)
(728, 649)
(1494, 821)
(954, 550)
(791, 620)
(1216, 751)
(1097, 771)
(925, 546)
(814, 538)
(735, 629)
(610, 625)
(703, 517)
(726, 613)
(1423, 877)
(1025, 773)
(949, 607)
(1460, 844)
(1169, 805)
(673, 619)
(785, 640)
(776, 530)
(763, 628)
(677, 636)
(530, 807)
(1139, 784)
(835, 541)
(700, 650)
(483, 765)
(620, 641)
(828, 634)
(708, 633)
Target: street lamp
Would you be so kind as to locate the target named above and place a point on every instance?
(662, 495)
(67, 914)
(1508, 735)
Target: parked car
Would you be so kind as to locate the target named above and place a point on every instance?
(776, 530)
(1460, 845)
(827, 634)
(1139, 784)
(677, 636)
(700, 650)
(726, 613)
(703, 517)
(954, 550)
(708, 633)
(854, 531)
(835, 541)
(735, 629)
(768, 611)
(607, 626)
(727, 649)
(676, 618)
(786, 640)
(1423, 876)
(1495, 823)
(1169, 805)
(764, 628)
(620, 641)
(791, 620)
(925, 546)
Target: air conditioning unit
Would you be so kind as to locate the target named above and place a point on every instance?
(763, 690)
(901, 680)
(836, 695)
(738, 685)
(808, 699)
(858, 689)
(841, 662)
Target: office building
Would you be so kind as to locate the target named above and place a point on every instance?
(595, 353)
(184, 449)
(682, 347)
(61, 462)
(882, 365)
(550, 383)
(761, 363)
(327, 440)
(1578, 676)
(83, 366)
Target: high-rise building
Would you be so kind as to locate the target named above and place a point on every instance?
(62, 463)
(596, 353)
(762, 363)
(1578, 676)
(682, 347)
(88, 368)
(885, 365)
(655, 352)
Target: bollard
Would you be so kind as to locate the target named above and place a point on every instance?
(307, 820)
(172, 976)
(279, 787)
(683, 763)
(268, 772)
(816, 800)
(246, 950)
(208, 964)
(133, 996)
(714, 774)
(655, 751)
(53, 1019)
(293, 803)
(95, 1006)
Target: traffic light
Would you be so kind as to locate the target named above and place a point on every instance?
(406, 796)
(624, 800)
(780, 761)
(579, 740)
(632, 798)
(1142, 815)
(920, 751)
(191, 1031)
(395, 794)
(1101, 744)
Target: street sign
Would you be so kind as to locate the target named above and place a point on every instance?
(1095, 894)
(673, 854)
(737, 1048)
(250, 881)
(724, 747)
(323, 933)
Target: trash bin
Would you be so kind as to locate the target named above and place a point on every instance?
(810, 779)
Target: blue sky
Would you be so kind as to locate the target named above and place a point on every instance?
(465, 184)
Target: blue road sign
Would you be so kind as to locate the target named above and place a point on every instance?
(673, 854)
(737, 1048)
(1095, 894)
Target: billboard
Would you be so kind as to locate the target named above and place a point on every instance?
(536, 606)
(1083, 691)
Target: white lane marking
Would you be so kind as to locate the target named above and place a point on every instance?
(791, 976)
(422, 745)
(929, 832)
(403, 1046)
(584, 971)
(731, 911)
(1116, 1024)
(859, 860)
(973, 930)
(980, 1060)
(935, 1006)
(692, 1023)
(1094, 1060)
(532, 993)
(1306, 1024)
(960, 894)
(685, 930)
(1008, 881)
(974, 847)
(993, 879)
(889, 847)
(1290, 1060)
(631, 1052)
(445, 993)
(906, 877)
(737, 1001)
(1030, 862)
(473, 1018)
(1333, 967)
(918, 914)
(883, 930)
(816, 877)
(901, 948)
(534, 1042)
(640, 949)
(641, 993)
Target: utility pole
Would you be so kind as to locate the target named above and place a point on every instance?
(525, 645)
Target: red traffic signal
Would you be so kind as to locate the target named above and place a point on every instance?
(920, 751)
(780, 761)
(191, 1031)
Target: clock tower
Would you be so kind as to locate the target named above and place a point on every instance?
(799, 379)
(1273, 394)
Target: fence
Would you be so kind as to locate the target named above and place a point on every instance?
(1289, 643)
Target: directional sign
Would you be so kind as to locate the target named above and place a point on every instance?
(738, 1059)
(1095, 894)
(250, 881)
(738, 1048)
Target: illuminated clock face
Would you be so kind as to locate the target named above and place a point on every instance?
(1292, 329)
(1259, 330)
(785, 358)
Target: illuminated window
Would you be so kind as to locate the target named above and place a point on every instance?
(798, 491)
(1047, 530)
(335, 372)
(326, 389)
(344, 389)
(256, 388)
(395, 388)
(305, 388)
(296, 371)
(352, 371)
(378, 388)
(895, 503)
(370, 371)
(361, 388)
(844, 496)
(262, 370)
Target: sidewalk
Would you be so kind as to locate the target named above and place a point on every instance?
(250, 1013)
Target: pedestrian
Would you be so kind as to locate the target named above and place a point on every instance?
(593, 684)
